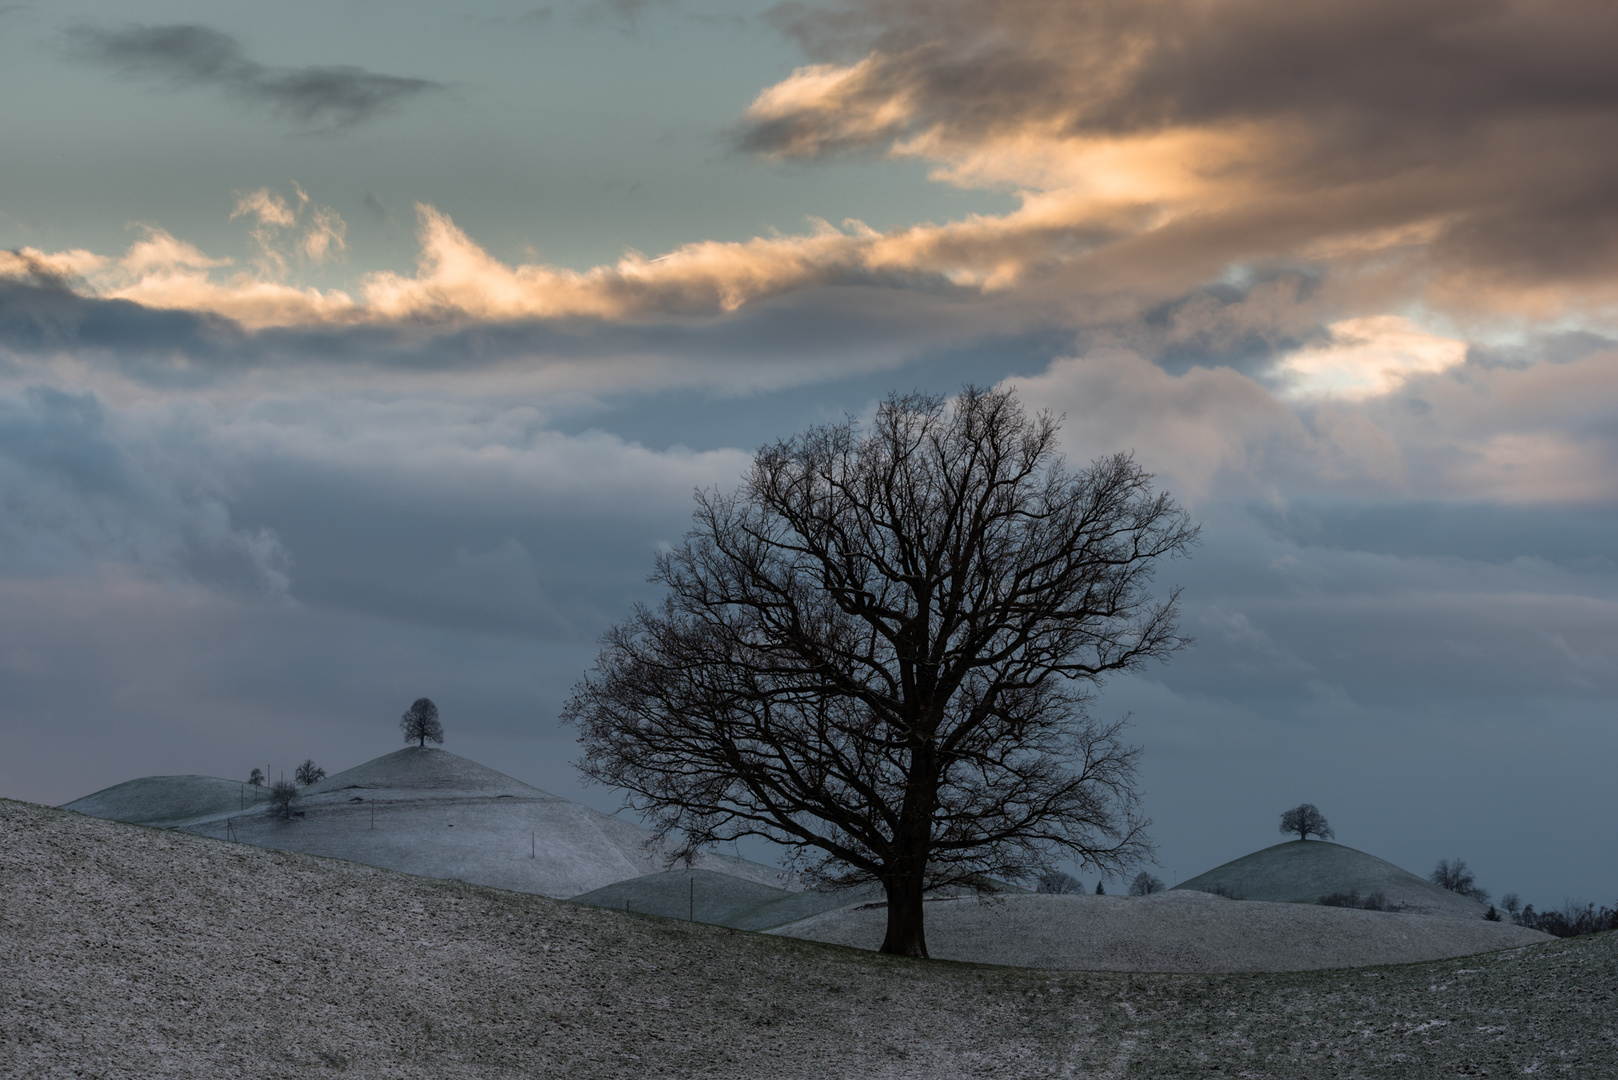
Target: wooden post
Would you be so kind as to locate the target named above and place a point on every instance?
(533, 844)
(691, 912)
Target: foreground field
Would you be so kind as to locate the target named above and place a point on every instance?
(127, 951)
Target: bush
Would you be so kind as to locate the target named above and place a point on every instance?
(1453, 875)
(1376, 901)
(282, 792)
(1059, 883)
(1145, 884)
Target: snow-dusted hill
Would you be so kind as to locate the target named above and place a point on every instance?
(1171, 931)
(435, 814)
(1302, 871)
(129, 952)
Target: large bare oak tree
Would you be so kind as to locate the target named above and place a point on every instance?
(878, 652)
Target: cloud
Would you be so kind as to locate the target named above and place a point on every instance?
(185, 55)
(1368, 357)
(1468, 165)
(323, 230)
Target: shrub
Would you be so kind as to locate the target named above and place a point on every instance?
(1059, 883)
(1453, 875)
(1375, 901)
(282, 792)
(1145, 884)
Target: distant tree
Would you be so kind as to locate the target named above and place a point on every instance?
(1453, 875)
(1492, 915)
(1145, 884)
(420, 723)
(282, 792)
(308, 773)
(256, 778)
(1512, 903)
(1304, 819)
(1101, 890)
(1062, 884)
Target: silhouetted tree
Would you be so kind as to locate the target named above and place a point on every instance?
(1145, 884)
(1453, 875)
(1059, 883)
(420, 723)
(1101, 890)
(256, 778)
(308, 773)
(1512, 903)
(1304, 819)
(878, 652)
(282, 792)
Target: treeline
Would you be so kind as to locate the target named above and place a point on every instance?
(1570, 920)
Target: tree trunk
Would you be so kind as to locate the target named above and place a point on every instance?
(906, 934)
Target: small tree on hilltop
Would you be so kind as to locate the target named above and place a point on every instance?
(256, 778)
(420, 723)
(1304, 819)
(1452, 874)
(1145, 884)
(282, 792)
(309, 773)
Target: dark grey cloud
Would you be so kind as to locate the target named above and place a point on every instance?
(1489, 126)
(189, 55)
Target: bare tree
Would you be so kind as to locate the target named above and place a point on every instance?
(1304, 819)
(1145, 884)
(1452, 874)
(1058, 883)
(420, 722)
(309, 773)
(282, 792)
(878, 653)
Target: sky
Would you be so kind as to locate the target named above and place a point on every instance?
(354, 352)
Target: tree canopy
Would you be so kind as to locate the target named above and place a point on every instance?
(1304, 819)
(420, 723)
(879, 651)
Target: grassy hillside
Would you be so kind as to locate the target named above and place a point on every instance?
(136, 952)
(1302, 871)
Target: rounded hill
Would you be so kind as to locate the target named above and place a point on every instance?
(1303, 871)
(166, 800)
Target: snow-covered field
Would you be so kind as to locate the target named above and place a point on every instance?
(1172, 931)
(135, 952)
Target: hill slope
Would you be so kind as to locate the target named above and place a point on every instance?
(136, 952)
(165, 800)
(436, 814)
(1170, 932)
(1302, 871)
(721, 899)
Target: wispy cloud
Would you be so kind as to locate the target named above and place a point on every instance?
(189, 55)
